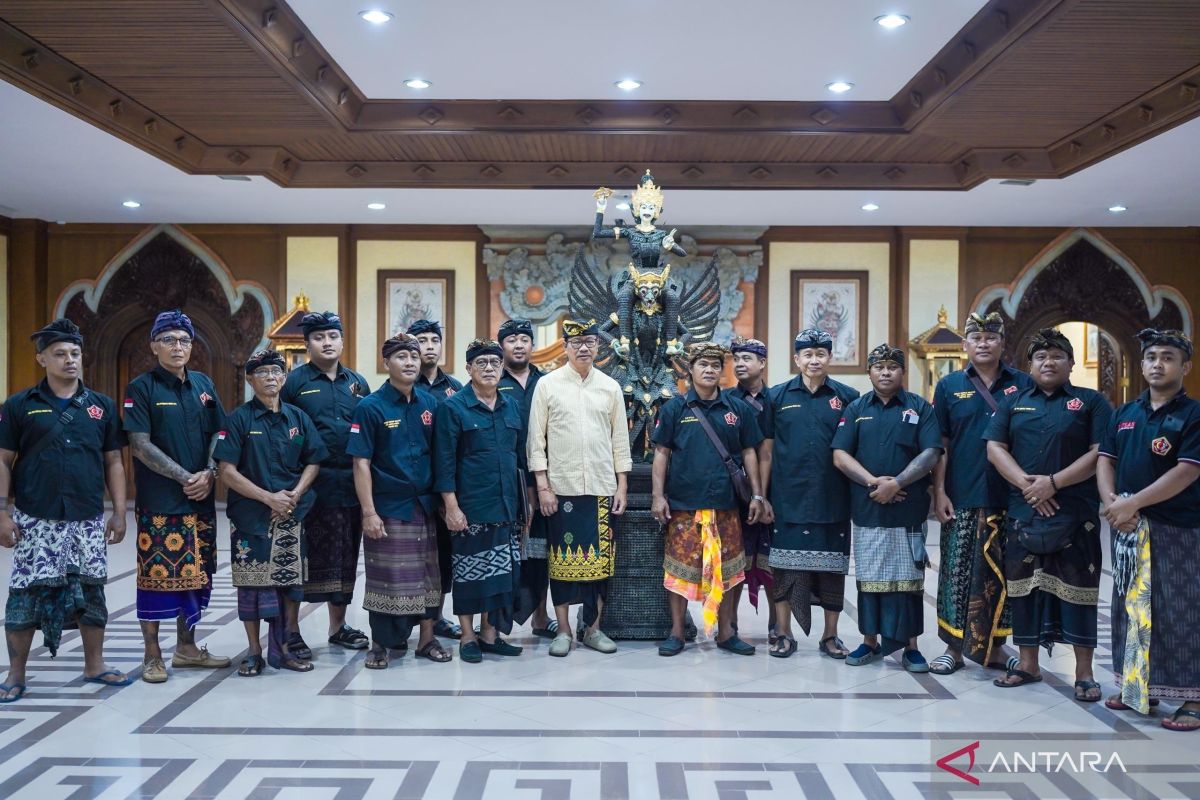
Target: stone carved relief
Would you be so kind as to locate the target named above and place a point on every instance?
(536, 279)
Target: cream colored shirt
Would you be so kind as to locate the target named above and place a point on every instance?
(578, 432)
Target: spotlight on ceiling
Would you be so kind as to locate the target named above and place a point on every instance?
(376, 206)
(839, 87)
(1118, 209)
(132, 204)
(870, 207)
(418, 83)
(628, 84)
(376, 16)
(892, 21)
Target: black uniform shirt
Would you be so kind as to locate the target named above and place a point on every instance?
(397, 435)
(443, 387)
(477, 455)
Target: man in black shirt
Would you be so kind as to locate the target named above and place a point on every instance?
(1147, 477)
(1044, 441)
(172, 415)
(329, 392)
(60, 446)
(441, 387)
(269, 456)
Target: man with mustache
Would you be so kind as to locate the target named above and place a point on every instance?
(1044, 441)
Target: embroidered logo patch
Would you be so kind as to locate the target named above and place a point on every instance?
(449, 393)
(1074, 404)
(731, 418)
(354, 428)
(129, 402)
(354, 388)
(205, 398)
(1010, 390)
(835, 403)
(1160, 446)
(293, 433)
(427, 417)
(95, 412)
(1127, 426)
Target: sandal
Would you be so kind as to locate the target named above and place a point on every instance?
(447, 629)
(349, 638)
(945, 665)
(292, 662)
(841, 652)
(1117, 704)
(377, 658)
(19, 688)
(251, 666)
(1026, 677)
(548, 632)
(434, 652)
(1012, 663)
(1087, 686)
(297, 647)
(1171, 723)
(789, 647)
(125, 680)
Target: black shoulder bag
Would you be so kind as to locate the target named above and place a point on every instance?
(51, 436)
(737, 472)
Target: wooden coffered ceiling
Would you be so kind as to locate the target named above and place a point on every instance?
(1027, 89)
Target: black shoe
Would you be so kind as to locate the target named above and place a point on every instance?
(470, 652)
(735, 645)
(499, 647)
(671, 646)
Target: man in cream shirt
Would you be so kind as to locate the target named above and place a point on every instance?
(578, 451)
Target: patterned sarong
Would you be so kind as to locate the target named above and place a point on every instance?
(169, 551)
(334, 536)
(49, 550)
(972, 602)
(889, 560)
(1162, 660)
(487, 571)
(580, 539)
(803, 589)
(703, 557)
(276, 559)
(403, 578)
(1054, 597)
(757, 540)
(535, 573)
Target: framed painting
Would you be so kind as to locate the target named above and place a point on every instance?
(1091, 345)
(407, 295)
(834, 301)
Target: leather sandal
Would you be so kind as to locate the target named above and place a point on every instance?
(1026, 677)
(434, 651)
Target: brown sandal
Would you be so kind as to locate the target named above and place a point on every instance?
(377, 658)
(434, 652)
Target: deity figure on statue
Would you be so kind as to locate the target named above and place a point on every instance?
(647, 320)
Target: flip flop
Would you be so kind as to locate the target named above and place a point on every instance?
(251, 666)
(108, 673)
(1117, 704)
(6, 688)
(788, 650)
(548, 632)
(1087, 686)
(447, 629)
(945, 665)
(291, 662)
(1020, 673)
(434, 652)
(377, 659)
(1171, 723)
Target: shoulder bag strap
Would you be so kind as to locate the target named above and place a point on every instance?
(60, 425)
(987, 395)
(712, 436)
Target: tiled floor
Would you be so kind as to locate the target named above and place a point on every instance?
(705, 725)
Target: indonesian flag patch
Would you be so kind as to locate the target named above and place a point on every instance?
(1074, 404)
(1160, 446)
(835, 403)
(731, 418)
(842, 422)
(354, 427)
(220, 436)
(95, 412)
(129, 402)
(427, 417)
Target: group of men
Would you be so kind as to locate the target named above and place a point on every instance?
(503, 490)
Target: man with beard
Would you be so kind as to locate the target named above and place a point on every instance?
(441, 387)
(1149, 463)
(887, 443)
(328, 392)
(1044, 441)
(969, 497)
(810, 545)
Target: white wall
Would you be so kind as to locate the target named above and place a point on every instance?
(312, 268)
(932, 283)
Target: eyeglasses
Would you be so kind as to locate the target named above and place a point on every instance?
(175, 341)
(268, 372)
(591, 343)
(486, 363)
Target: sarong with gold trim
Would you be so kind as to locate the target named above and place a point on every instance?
(703, 558)
(1054, 597)
(1156, 652)
(889, 566)
(972, 601)
(176, 558)
(581, 554)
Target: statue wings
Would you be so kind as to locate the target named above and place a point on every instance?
(700, 305)
(591, 297)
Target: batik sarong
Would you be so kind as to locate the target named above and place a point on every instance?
(1054, 597)
(487, 571)
(58, 574)
(972, 602)
(581, 555)
(703, 558)
(176, 559)
(803, 589)
(756, 538)
(334, 536)
(275, 559)
(1156, 613)
(889, 565)
(403, 579)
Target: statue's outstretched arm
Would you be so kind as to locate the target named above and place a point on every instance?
(600, 232)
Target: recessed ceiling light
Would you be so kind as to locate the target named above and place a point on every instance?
(376, 206)
(870, 207)
(418, 83)
(243, 178)
(375, 16)
(1118, 209)
(891, 21)
(839, 87)
(628, 84)
(623, 205)
(132, 204)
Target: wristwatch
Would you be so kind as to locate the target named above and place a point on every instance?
(758, 497)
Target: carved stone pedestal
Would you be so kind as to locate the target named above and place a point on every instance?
(637, 602)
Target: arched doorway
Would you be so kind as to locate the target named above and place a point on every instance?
(1083, 278)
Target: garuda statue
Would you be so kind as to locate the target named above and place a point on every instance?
(648, 320)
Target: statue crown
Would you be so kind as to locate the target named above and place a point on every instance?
(648, 278)
(647, 191)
